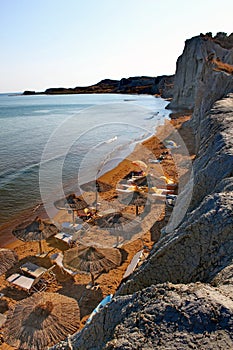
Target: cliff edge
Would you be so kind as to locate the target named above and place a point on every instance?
(181, 297)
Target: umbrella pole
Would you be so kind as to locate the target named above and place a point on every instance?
(92, 279)
(137, 210)
(96, 198)
(73, 216)
(40, 247)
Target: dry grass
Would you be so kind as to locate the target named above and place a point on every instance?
(220, 66)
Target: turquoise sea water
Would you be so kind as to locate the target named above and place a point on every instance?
(83, 133)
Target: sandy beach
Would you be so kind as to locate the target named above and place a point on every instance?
(108, 283)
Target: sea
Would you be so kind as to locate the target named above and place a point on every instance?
(50, 144)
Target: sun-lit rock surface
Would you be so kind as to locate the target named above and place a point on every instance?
(181, 296)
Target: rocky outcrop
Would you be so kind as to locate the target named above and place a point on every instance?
(197, 84)
(165, 316)
(181, 296)
(161, 85)
(201, 245)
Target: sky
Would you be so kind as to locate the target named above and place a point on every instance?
(68, 43)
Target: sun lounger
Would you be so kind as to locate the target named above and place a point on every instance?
(28, 284)
(68, 226)
(128, 190)
(64, 237)
(36, 271)
(33, 270)
(106, 212)
(57, 259)
(133, 264)
(155, 161)
(160, 190)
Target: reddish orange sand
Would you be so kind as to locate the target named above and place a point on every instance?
(108, 282)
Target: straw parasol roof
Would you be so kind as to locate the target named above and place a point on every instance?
(119, 224)
(72, 201)
(36, 230)
(96, 185)
(136, 198)
(139, 163)
(90, 259)
(41, 320)
(7, 259)
(153, 181)
(146, 180)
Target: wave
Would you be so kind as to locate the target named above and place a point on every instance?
(111, 140)
(9, 176)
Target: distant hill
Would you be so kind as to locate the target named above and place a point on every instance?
(161, 85)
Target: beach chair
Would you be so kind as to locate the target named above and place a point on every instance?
(36, 271)
(68, 227)
(133, 264)
(127, 190)
(77, 235)
(49, 276)
(64, 237)
(57, 259)
(106, 212)
(27, 284)
(32, 270)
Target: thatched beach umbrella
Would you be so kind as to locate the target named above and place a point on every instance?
(41, 321)
(146, 180)
(153, 181)
(90, 259)
(71, 202)
(96, 186)
(36, 230)
(119, 224)
(7, 259)
(140, 164)
(136, 198)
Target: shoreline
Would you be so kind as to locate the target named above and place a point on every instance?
(7, 238)
(15, 215)
(108, 282)
(152, 144)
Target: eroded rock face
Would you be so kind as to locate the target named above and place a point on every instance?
(197, 85)
(203, 244)
(165, 316)
(149, 315)
(149, 312)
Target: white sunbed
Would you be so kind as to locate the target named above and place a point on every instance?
(133, 264)
(128, 190)
(106, 212)
(57, 259)
(26, 283)
(64, 237)
(66, 225)
(69, 226)
(33, 270)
